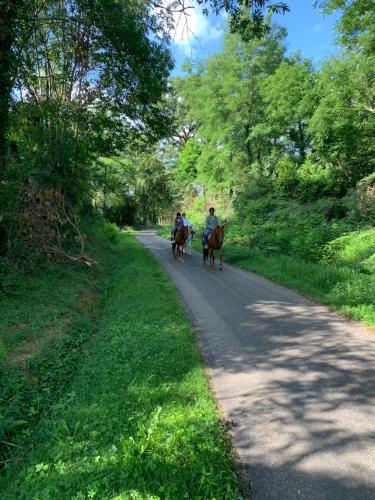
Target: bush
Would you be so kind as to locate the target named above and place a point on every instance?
(315, 181)
(110, 231)
(286, 176)
(277, 226)
(354, 250)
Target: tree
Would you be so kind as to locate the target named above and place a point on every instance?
(342, 131)
(249, 18)
(290, 100)
(9, 12)
(20, 20)
(356, 26)
(153, 189)
(223, 98)
(133, 188)
(89, 76)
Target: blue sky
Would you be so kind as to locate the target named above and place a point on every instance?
(309, 31)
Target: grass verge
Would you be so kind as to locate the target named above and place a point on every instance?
(136, 420)
(346, 286)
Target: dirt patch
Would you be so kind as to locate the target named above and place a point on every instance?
(57, 330)
(16, 328)
(24, 351)
(88, 299)
(30, 347)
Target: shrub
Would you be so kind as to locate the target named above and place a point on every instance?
(354, 250)
(286, 176)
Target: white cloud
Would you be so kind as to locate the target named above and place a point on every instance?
(193, 27)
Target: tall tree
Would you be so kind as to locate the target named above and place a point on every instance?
(10, 11)
(289, 96)
(342, 130)
(110, 17)
(90, 75)
(224, 98)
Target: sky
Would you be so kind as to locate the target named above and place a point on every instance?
(309, 32)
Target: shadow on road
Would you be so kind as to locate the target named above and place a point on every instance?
(297, 381)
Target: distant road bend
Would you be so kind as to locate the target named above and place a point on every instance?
(297, 380)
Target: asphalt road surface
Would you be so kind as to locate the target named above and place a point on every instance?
(297, 381)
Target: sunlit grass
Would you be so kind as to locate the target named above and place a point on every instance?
(344, 280)
(342, 287)
(138, 419)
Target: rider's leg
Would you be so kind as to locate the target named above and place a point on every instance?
(206, 235)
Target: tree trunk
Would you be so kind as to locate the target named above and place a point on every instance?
(7, 17)
(301, 145)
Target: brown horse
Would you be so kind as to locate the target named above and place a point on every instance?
(215, 242)
(179, 243)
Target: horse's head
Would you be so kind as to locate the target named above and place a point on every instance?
(182, 235)
(218, 235)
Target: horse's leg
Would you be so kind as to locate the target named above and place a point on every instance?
(205, 254)
(180, 253)
(212, 258)
(221, 259)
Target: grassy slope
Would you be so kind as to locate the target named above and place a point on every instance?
(346, 281)
(137, 419)
(345, 289)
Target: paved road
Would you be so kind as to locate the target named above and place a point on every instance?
(298, 381)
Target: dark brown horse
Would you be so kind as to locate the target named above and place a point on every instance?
(179, 243)
(215, 242)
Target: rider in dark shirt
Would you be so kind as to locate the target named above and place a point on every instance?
(178, 224)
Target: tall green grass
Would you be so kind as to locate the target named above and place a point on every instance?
(137, 420)
(343, 279)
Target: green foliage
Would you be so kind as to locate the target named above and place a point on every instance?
(286, 176)
(316, 181)
(289, 96)
(136, 419)
(134, 188)
(72, 100)
(223, 99)
(111, 232)
(187, 162)
(356, 249)
(340, 129)
(356, 27)
(261, 118)
(249, 18)
(45, 321)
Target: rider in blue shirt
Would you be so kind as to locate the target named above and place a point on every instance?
(212, 221)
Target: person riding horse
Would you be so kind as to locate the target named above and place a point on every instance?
(213, 238)
(178, 224)
(190, 233)
(179, 236)
(212, 221)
